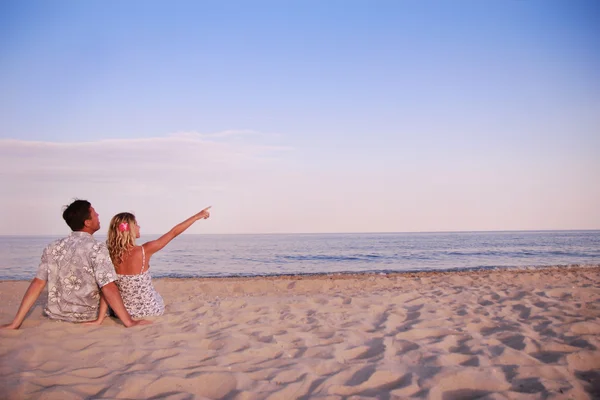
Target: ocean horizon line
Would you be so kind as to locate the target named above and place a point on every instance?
(333, 233)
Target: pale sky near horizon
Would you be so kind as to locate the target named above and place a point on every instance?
(302, 116)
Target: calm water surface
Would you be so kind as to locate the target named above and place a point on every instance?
(247, 255)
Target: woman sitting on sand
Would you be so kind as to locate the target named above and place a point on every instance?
(132, 264)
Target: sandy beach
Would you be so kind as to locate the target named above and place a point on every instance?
(461, 335)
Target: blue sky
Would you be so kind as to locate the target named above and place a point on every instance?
(302, 116)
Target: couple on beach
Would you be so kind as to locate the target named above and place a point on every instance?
(86, 276)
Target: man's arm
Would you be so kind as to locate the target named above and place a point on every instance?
(114, 300)
(31, 295)
(101, 312)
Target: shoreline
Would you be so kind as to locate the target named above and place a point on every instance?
(439, 335)
(388, 273)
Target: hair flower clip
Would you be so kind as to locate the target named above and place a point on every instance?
(123, 226)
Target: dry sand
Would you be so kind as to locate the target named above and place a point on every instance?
(493, 335)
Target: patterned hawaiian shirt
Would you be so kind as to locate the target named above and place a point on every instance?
(75, 267)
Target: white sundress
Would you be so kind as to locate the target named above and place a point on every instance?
(138, 293)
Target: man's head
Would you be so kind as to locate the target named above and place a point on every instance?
(81, 216)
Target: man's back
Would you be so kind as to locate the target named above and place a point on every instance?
(75, 267)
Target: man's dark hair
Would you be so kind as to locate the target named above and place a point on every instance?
(76, 214)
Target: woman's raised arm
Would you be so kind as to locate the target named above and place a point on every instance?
(156, 245)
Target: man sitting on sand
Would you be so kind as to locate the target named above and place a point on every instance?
(79, 271)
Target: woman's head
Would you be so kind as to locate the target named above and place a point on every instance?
(122, 232)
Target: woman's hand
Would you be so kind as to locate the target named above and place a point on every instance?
(204, 214)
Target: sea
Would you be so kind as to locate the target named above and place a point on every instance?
(297, 254)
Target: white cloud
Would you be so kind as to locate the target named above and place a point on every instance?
(223, 134)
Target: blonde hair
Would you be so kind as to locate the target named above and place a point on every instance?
(121, 237)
